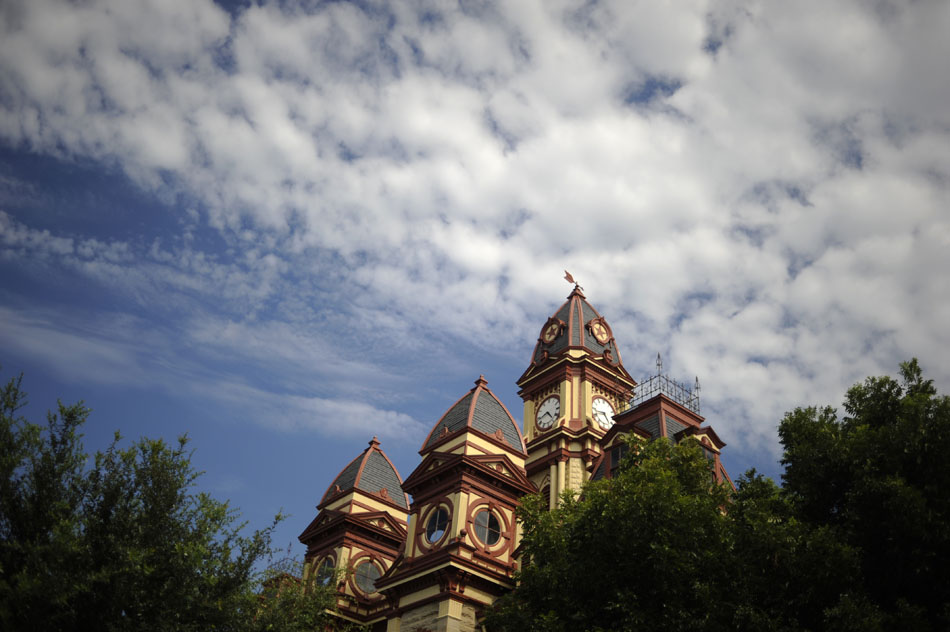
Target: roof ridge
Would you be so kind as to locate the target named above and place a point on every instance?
(359, 473)
(480, 385)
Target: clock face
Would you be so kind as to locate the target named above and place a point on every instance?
(603, 412)
(550, 333)
(548, 412)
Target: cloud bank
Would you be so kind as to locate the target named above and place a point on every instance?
(757, 190)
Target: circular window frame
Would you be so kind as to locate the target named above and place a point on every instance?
(354, 582)
(487, 527)
(506, 530)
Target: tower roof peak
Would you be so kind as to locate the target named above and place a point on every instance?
(479, 410)
(371, 472)
(576, 325)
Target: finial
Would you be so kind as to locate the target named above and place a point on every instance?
(481, 381)
(373, 442)
(696, 387)
(659, 364)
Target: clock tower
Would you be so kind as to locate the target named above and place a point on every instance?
(572, 389)
(437, 563)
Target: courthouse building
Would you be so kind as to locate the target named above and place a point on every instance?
(433, 563)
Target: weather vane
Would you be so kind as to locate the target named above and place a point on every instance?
(570, 279)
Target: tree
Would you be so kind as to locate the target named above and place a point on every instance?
(856, 539)
(643, 550)
(165, 557)
(292, 602)
(122, 541)
(786, 573)
(878, 478)
(41, 494)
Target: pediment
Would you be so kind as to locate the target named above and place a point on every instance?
(323, 519)
(503, 466)
(704, 434)
(379, 520)
(435, 463)
(432, 462)
(499, 465)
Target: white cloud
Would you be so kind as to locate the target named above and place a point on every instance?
(772, 216)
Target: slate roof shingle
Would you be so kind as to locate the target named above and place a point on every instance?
(481, 410)
(370, 472)
(576, 314)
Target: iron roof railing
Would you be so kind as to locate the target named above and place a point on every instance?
(663, 384)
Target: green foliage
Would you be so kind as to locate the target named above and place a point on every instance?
(41, 492)
(122, 540)
(858, 537)
(164, 556)
(879, 478)
(292, 603)
(786, 574)
(640, 550)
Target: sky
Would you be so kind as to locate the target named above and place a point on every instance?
(285, 227)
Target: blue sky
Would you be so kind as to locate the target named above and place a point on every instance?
(287, 227)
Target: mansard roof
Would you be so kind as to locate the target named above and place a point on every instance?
(480, 410)
(371, 472)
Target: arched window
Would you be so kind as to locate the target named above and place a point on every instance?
(325, 571)
(437, 525)
(616, 456)
(487, 527)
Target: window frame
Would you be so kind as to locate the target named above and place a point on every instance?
(488, 530)
(363, 563)
(433, 516)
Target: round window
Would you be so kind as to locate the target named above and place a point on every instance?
(487, 527)
(437, 524)
(366, 575)
(325, 571)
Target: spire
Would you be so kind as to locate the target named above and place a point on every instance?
(659, 364)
